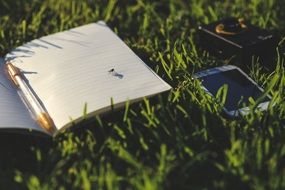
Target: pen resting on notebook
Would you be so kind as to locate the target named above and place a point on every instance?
(42, 117)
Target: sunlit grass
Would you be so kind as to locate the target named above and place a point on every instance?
(177, 140)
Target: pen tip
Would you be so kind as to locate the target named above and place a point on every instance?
(46, 122)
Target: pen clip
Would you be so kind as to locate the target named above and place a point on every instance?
(13, 72)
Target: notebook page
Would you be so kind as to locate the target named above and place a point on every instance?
(13, 113)
(88, 64)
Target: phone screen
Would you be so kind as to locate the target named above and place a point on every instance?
(240, 88)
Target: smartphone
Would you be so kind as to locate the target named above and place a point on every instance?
(240, 88)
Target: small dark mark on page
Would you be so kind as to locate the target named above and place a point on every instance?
(115, 74)
(111, 70)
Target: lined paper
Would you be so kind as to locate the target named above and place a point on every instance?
(88, 64)
(13, 113)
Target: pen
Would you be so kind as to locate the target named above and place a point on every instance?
(42, 117)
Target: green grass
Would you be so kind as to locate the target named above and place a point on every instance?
(177, 140)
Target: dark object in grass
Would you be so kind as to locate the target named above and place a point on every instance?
(237, 40)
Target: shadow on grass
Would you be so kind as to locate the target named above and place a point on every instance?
(17, 153)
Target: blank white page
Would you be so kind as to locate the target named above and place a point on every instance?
(89, 64)
(13, 113)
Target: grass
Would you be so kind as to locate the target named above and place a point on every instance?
(177, 140)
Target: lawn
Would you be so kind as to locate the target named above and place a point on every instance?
(176, 140)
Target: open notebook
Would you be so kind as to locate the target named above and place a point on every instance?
(88, 65)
